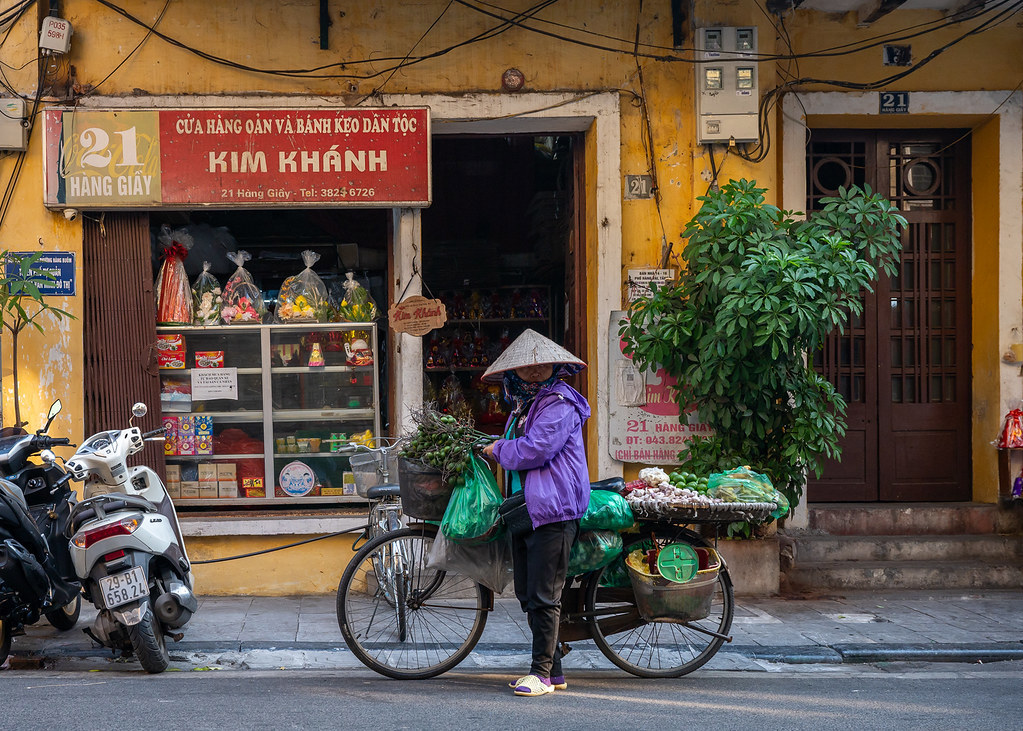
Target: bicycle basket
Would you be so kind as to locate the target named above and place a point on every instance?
(660, 600)
(424, 494)
(368, 468)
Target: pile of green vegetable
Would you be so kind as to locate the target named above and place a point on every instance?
(443, 442)
(688, 479)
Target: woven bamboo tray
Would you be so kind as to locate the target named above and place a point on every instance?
(645, 509)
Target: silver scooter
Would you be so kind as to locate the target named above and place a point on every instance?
(127, 548)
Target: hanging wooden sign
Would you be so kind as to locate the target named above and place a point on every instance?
(417, 315)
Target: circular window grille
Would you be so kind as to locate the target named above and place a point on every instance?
(921, 176)
(830, 174)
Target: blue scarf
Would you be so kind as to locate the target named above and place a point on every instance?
(520, 393)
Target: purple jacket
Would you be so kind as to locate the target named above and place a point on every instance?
(551, 456)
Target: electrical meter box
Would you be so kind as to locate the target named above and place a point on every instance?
(13, 131)
(727, 85)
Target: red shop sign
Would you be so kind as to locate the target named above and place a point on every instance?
(232, 158)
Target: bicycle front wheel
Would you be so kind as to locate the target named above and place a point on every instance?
(403, 619)
(655, 649)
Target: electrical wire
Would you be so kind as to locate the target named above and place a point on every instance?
(312, 73)
(426, 32)
(761, 149)
(149, 32)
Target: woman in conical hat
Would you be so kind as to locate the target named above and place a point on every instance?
(543, 455)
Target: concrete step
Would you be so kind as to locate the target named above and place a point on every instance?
(829, 548)
(895, 519)
(882, 575)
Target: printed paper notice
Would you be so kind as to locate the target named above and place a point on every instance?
(641, 279)
(214, 383)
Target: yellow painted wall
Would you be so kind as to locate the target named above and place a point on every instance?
(112, 55)
(314, 568)
(987, 338)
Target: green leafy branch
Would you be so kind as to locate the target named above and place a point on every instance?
(760, 293)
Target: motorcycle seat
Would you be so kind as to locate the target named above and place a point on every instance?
(614, 484)
(103, 505)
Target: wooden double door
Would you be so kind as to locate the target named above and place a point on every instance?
(903, 366)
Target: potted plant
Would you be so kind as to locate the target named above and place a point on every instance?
(759, 292)
(21, 304)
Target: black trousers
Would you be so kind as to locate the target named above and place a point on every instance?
(540, 561)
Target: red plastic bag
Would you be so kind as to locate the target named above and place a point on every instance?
(1012, 431)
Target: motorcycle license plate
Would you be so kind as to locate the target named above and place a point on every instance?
(123, 588)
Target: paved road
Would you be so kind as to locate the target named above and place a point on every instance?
(902, 696)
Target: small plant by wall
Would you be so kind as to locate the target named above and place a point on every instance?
(760, 291)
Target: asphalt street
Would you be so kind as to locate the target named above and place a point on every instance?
(901, 696)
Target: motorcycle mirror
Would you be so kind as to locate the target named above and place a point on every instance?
(139, 410)
(48, 456)
(50, 416)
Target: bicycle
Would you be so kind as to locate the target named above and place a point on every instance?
(399, 617)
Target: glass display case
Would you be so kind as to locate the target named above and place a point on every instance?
(256, 413)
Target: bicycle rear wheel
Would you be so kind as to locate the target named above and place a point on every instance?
(655, 649)
(403, 619)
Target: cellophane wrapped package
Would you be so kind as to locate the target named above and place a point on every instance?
(303, 297)
(242, 301)
(207, 298)
(356, 305)
(173, 295)
(1012, 431)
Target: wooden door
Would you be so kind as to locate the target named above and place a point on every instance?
(904, 365)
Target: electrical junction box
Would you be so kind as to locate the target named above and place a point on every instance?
(727, 85)
(13, 131)
(55, 35)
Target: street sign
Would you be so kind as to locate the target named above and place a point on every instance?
(59, 264)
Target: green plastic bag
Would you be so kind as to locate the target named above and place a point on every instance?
(471, 514)
(743, 485)
(607, 511)
(616, 576)
(593, 549)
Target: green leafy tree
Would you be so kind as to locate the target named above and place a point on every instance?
(21, 304)
(760, 292)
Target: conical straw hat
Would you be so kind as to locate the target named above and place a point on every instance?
(532, 348)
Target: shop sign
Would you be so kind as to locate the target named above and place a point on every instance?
(237, 158)
(214, 383)
(644, 425)
(417, 315)
(58, 264)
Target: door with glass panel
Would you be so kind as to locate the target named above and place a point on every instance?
(903, 366)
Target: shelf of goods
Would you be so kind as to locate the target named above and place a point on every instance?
(482, 322)
(256, 412)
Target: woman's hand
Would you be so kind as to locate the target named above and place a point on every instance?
(488, 451)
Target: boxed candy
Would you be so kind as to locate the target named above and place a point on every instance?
(227, 479)
(171, 359)
(170, 435)
(253, 487)
(209, 359)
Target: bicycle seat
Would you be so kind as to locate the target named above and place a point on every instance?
(381, 491)
(614, 484)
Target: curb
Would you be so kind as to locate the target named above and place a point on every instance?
(788, 655)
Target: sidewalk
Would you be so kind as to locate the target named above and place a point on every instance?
(302, 632)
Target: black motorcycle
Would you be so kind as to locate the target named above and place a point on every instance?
(37, 577)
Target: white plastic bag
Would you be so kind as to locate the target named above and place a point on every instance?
(489, 564)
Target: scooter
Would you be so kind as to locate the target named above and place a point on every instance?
(37, 577)
(127, 548)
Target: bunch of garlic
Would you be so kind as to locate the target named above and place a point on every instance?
(654, 476)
